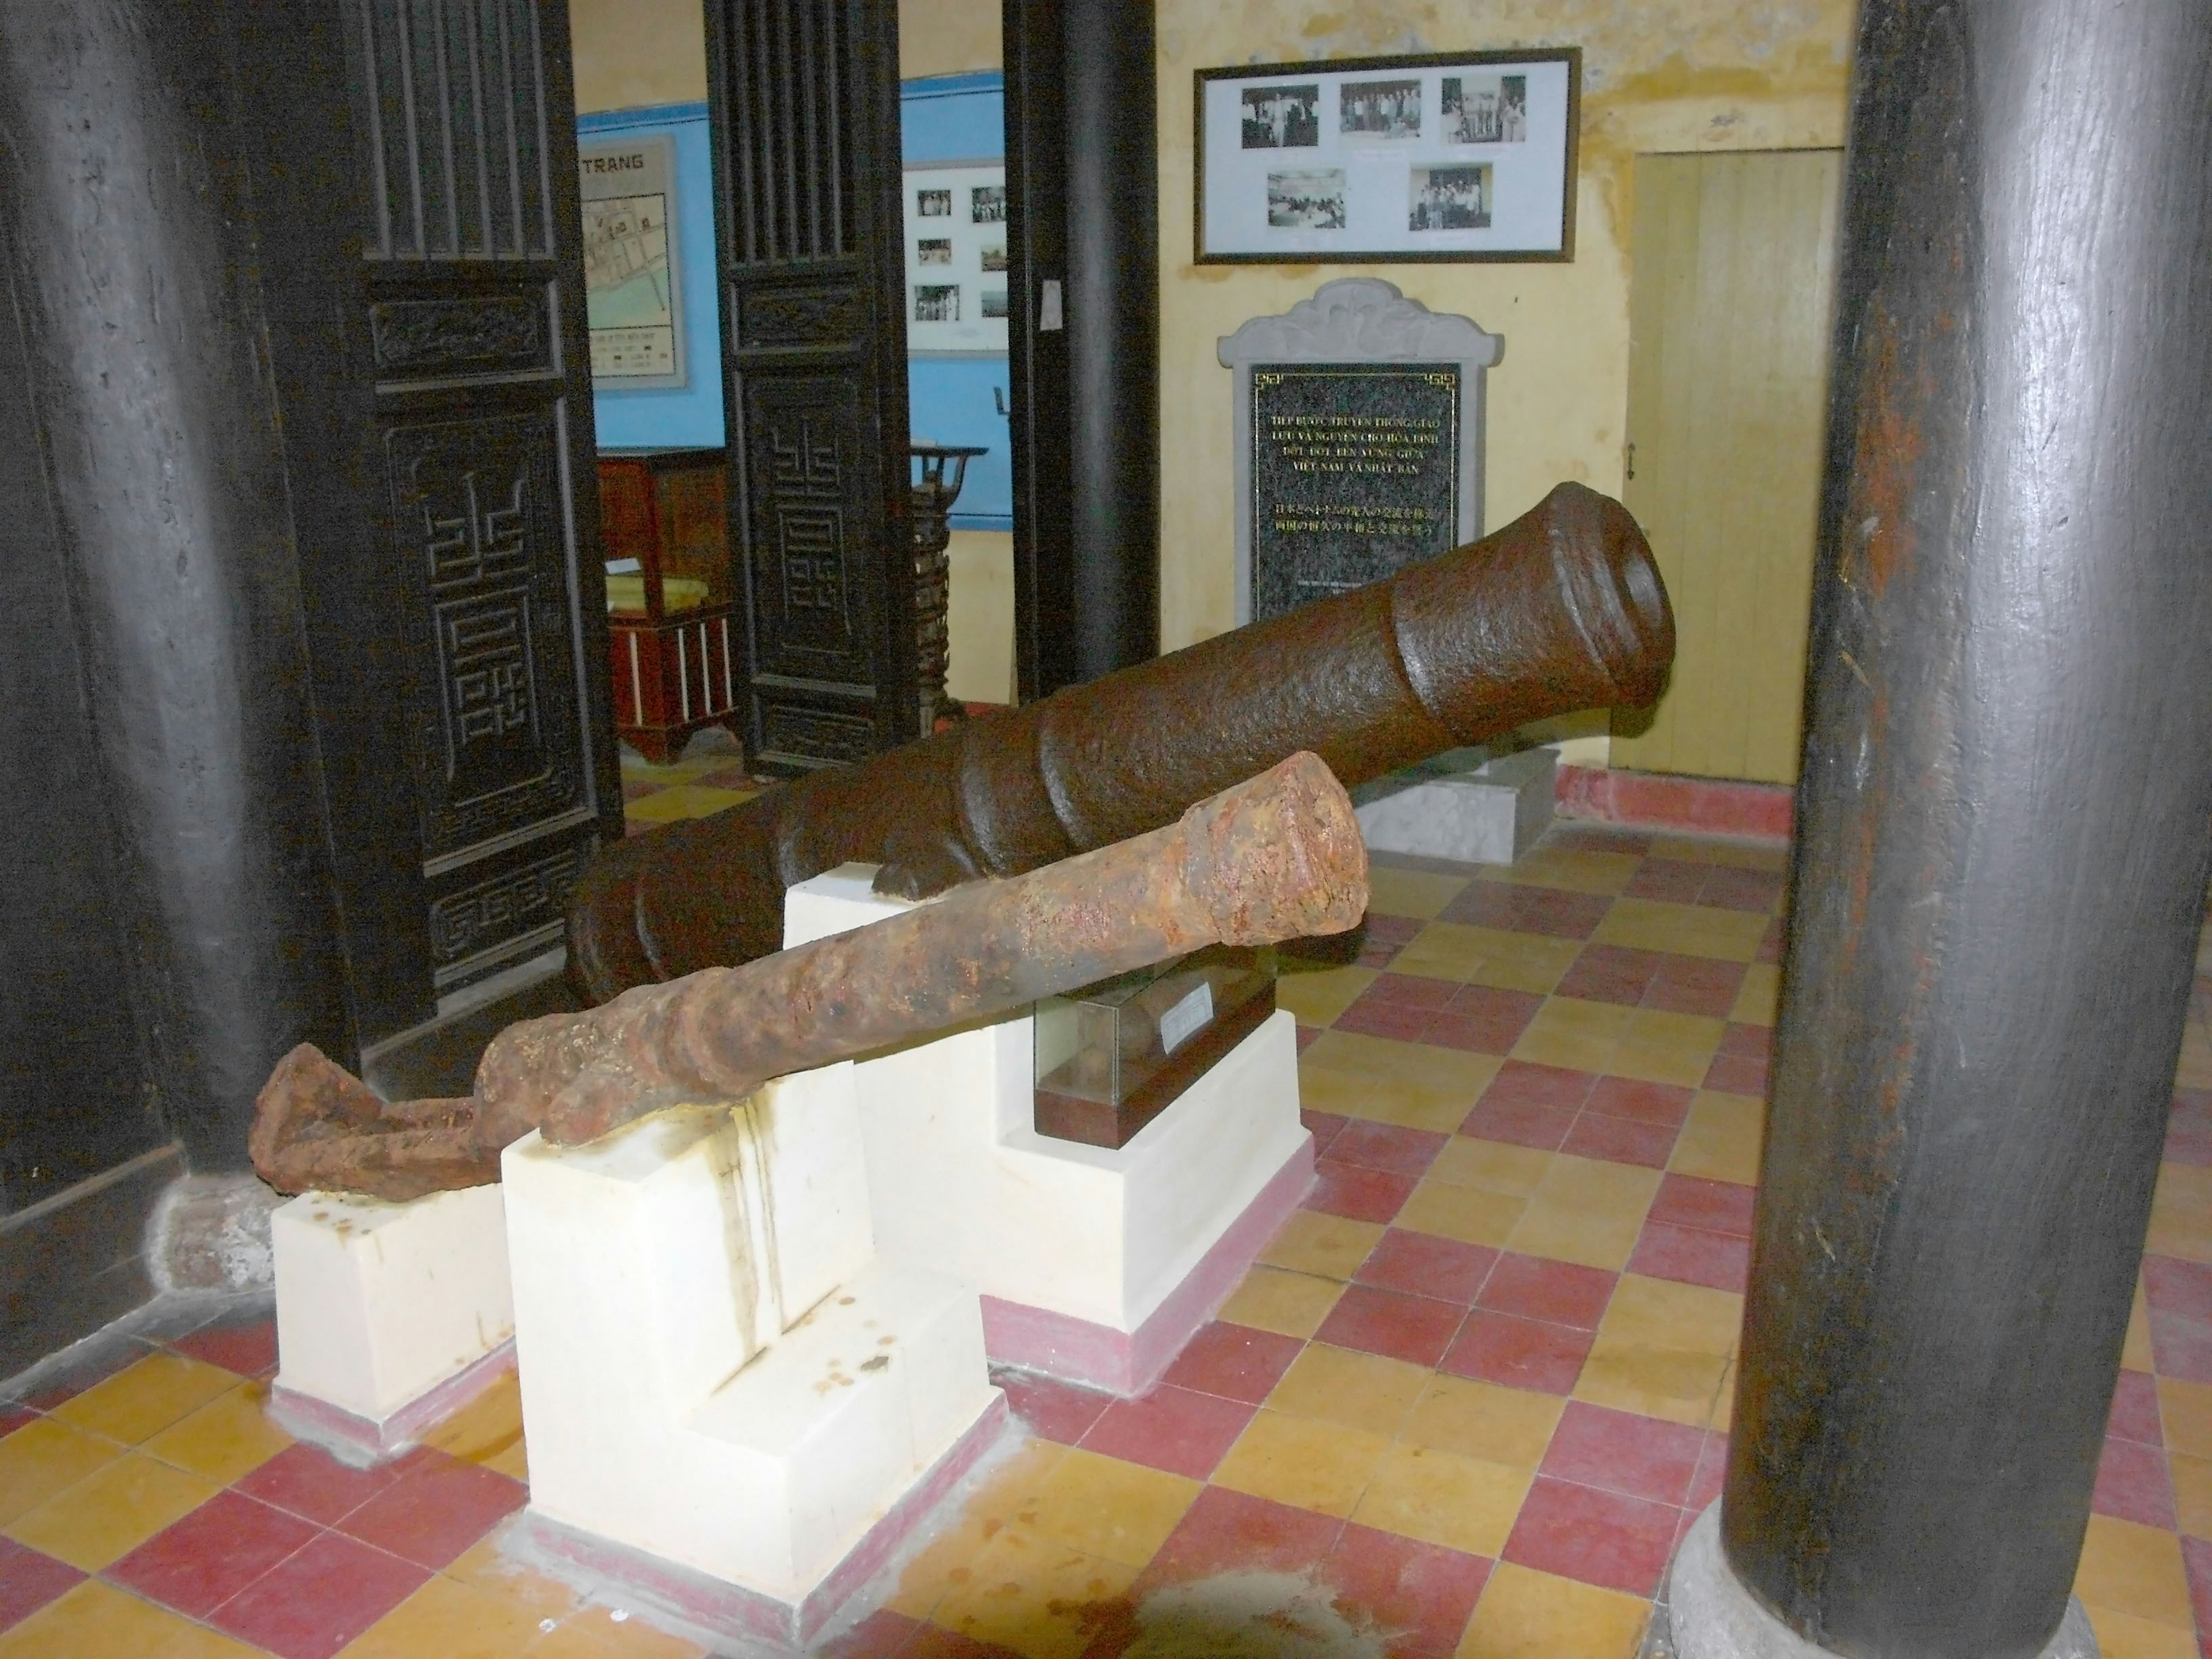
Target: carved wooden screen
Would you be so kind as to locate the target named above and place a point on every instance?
(473, 269)
(806, 119)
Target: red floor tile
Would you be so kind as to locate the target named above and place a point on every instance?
(1624, 1452)
(1610, 973)
(1234, 1361)
(1306, 1035)
(1619, 1141)
(1602, 1538)
(2196, 1560)
(28, 1580)
(1666, 878)
(2173, 1285)
(1557, 1292)
(314, 1603)
(1355, 1193)
(1324, 1126)
(1520, 1083)
(1718, 1206)
(2132, 1484)
(1711, 1475)
(1386, 1146)
(931, 1643)
(2182, 1347)
(213, 1552)
(1227, 1531)
(882, 1635)
(1756, 1041)
(1423, 1591)
(1414, 1328)
(1658, 1103)
(1174, 1429)
(1695, 985)
(1521, 1353)
(1519, 1124)
(1731, 889)
(639, 789)
(1529, 909)
(1409, 990)
(2134, 1409)
(1736, 1074)
(311, 1483)
(1568, 836)
(248, 1349)
(1770, 942)
(435, 1510)
(2188, 1131)
(1690, 1255)
(1424, 1265)
(1392, 1020)
(13, 1418)
(1484, 1021)
(1052, 1410)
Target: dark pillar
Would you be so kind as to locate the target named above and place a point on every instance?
(2003, 823)
(136, 283)
(1083, 166)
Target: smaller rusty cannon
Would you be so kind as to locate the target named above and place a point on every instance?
(1276, 857)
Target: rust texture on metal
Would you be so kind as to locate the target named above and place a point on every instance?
(1562, 610)
(1277, 857)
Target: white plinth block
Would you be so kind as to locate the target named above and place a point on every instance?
(717, 1371)
(1489, 811)
(388, 1316)
(1095, 1265)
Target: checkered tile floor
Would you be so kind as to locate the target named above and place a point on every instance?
(1464, 1406)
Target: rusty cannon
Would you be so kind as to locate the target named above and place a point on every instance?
(1277, 857)
(1562, 610)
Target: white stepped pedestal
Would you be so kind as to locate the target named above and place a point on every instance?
(734, 1407)
(389, 1316)
(1460, 806)
(1096, 1266)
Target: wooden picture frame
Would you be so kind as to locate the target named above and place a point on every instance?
(1465, 155)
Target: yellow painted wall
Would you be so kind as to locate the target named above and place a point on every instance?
(948, 37)
(629, 54)
(1657, 76)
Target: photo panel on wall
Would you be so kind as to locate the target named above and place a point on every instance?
(956, 258)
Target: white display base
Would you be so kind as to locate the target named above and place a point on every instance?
(717, 1371)
(1453, 807)
(389, 1316)
(1096, 1266)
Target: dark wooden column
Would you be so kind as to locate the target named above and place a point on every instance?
(1082, 167)
(2005, 815)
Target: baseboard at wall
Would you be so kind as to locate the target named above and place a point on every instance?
(1656, 800)
(73, 1262)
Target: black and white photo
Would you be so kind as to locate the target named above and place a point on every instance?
(937, 302)
(994, 257)
(986, 205)
(933, 250)
(994, 302)
(1387, 111)
(1282, 118)
(1450, 198)
(1486, 109)
(1312, 199)
(933, 204)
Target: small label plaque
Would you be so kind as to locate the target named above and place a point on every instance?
(1354, 473)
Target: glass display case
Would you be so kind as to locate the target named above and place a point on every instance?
(1113, 1056)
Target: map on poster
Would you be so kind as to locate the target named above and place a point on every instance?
(631, 298)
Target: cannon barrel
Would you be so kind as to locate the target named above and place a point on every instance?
(1562, 610)
(1276, 857)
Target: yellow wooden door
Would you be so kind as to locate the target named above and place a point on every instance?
(1729, 313)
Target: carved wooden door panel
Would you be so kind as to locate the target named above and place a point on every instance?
(473, 271)
(804, 95)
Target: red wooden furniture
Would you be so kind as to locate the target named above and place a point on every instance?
(670, 616)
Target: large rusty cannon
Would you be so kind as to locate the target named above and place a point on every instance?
(1275, 858)
(1562, 610)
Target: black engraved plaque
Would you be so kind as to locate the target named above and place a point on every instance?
(1355, 475)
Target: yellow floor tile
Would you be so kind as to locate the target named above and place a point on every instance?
(1010, 1495)
(1741, 855)
(1581, 1037)
(1604, 874)
(1416, 893)
(2122, 1635)
(683, 800)
(451, 1620)
(483, 1567)
(1523, 962)
(1469, 1214)
(1036, 1597)
(1322, 1466)
(2192, 1492)
(1526, 1614)
(1441, 1497)
(1756, 999)
(1444, 950)
(2135, 1354)
(1689, 930)
(1102, 1506)
(1327, 1246)
(488, 1427)
(1491, 1166)
(2135, 1570)
(1508, 1426)
(111, 1511)
(193, 1641)
(1723, 1416)
(94, 1622)
(2185, 1411)
(2181, 1213)
(146, 1397)
(1654, 1027)
(596, 1634)
(226, 1439)
(1662, 1349)
(1587, 1211)
(1408, 1083)
(1362, 1391)
(1720, 1139)
(1287, 1303)
(1315, 996)
(46, 1457)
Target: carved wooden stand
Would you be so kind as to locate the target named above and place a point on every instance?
(943, 470)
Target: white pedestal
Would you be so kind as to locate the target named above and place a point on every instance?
(389, 1316)
(719, 1372)
(1096, 1266)
(1486, 813)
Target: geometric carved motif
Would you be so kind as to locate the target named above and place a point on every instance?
(806, 506)
(816, 733)
(511, 902)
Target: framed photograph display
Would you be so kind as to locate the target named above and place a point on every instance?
(1453, 155)
(632, 299)
(955, 260)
